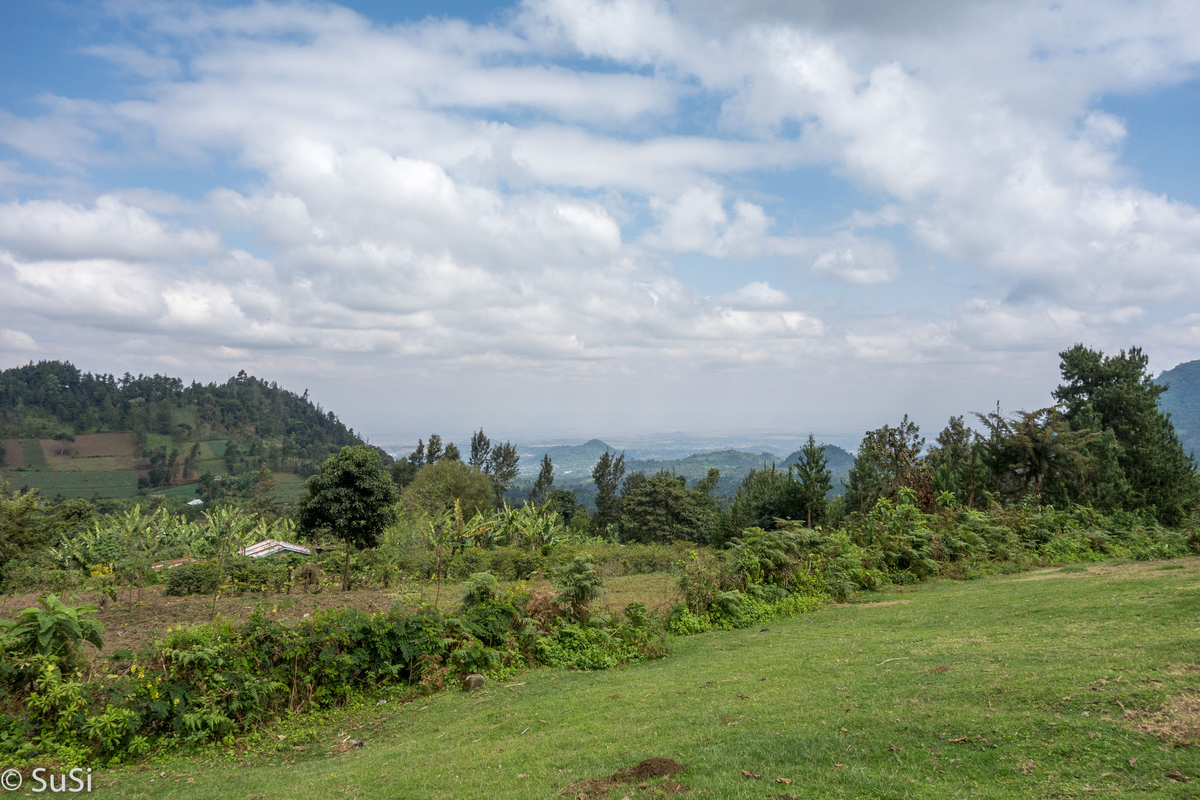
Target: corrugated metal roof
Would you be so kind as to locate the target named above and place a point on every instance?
(271, 546)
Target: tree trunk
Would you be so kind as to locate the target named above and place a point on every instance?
(346, 570)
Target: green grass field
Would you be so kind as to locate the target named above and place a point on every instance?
(34, 457)
(1025, 686)
(106, 483)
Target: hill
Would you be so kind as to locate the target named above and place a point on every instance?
(76, 434)
(1182, 402)
(573, 467)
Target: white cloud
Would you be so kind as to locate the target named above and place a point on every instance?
(110, 229)
(18, 341)
(512, 195)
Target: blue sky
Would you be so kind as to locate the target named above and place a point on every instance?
(602, 216)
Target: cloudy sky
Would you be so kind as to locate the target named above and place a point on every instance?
(593, 216)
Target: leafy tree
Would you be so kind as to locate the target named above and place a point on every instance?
(544, 483)
(23, 525)
(1125, 399)
(435, 489)
(607, 475)
(812, 473)
(887, 460)
(403, 472)
(1039, 448)
(481, 450)
(417, 457)
(660, 508)
(452, 453)
(502, 467)
(566, 504)
(352, 497)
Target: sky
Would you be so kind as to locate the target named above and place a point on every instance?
(593, 217)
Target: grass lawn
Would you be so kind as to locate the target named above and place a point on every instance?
(1025, 686)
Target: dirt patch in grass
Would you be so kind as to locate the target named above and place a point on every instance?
(1178, 722)
(878, 603)
(1101, 569)
(596, 788)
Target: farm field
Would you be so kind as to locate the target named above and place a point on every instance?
(105, 464)
(106, 483)
(132, 627)
(1063, 682)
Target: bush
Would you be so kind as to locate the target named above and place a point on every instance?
(197, 577)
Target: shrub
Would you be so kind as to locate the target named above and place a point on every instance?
(198, 577)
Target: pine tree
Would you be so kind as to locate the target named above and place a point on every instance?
(544, 483)
(607, 475)
(812, 472)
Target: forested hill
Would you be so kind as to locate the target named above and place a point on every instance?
(54, 400)
(1182, 402)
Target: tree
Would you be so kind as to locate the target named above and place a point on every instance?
(1125, 400)
(1039, 447)
(660, 508)
(352, 497)
(403, 472)
(812, 472)
(433, 450)
(887, 460)
(544, 483)
(502, 467)
(435, 489)
(481, 449)
(607, 475)
(417, 457)
(452, 453)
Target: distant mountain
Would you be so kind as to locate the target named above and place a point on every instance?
(1182, 402)
(573, 467)
(571, 462)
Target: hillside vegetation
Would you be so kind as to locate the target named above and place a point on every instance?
(74, 434)
(1182, 402)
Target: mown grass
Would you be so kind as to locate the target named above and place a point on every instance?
(1007, 687)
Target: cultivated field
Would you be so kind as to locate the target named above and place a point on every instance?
(130, 626)
(1065, 682)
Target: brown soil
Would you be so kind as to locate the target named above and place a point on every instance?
(1178, 722)
(13, 457)
(595, 788)
(91, 451)
(131, 628)
(1108, 570)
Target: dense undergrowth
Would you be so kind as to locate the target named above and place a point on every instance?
(222, 680)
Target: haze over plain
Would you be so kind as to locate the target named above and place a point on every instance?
(588, 218)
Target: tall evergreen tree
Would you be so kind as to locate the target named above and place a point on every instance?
(433, 450)
(1122, 395)
(544, 483)
(812, 472)
(481, 449)
(607, 475)
(502, 467)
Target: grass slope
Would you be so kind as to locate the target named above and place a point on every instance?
(1008, 687)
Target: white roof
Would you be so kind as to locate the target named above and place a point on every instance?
(196, 502)
(270, 546)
